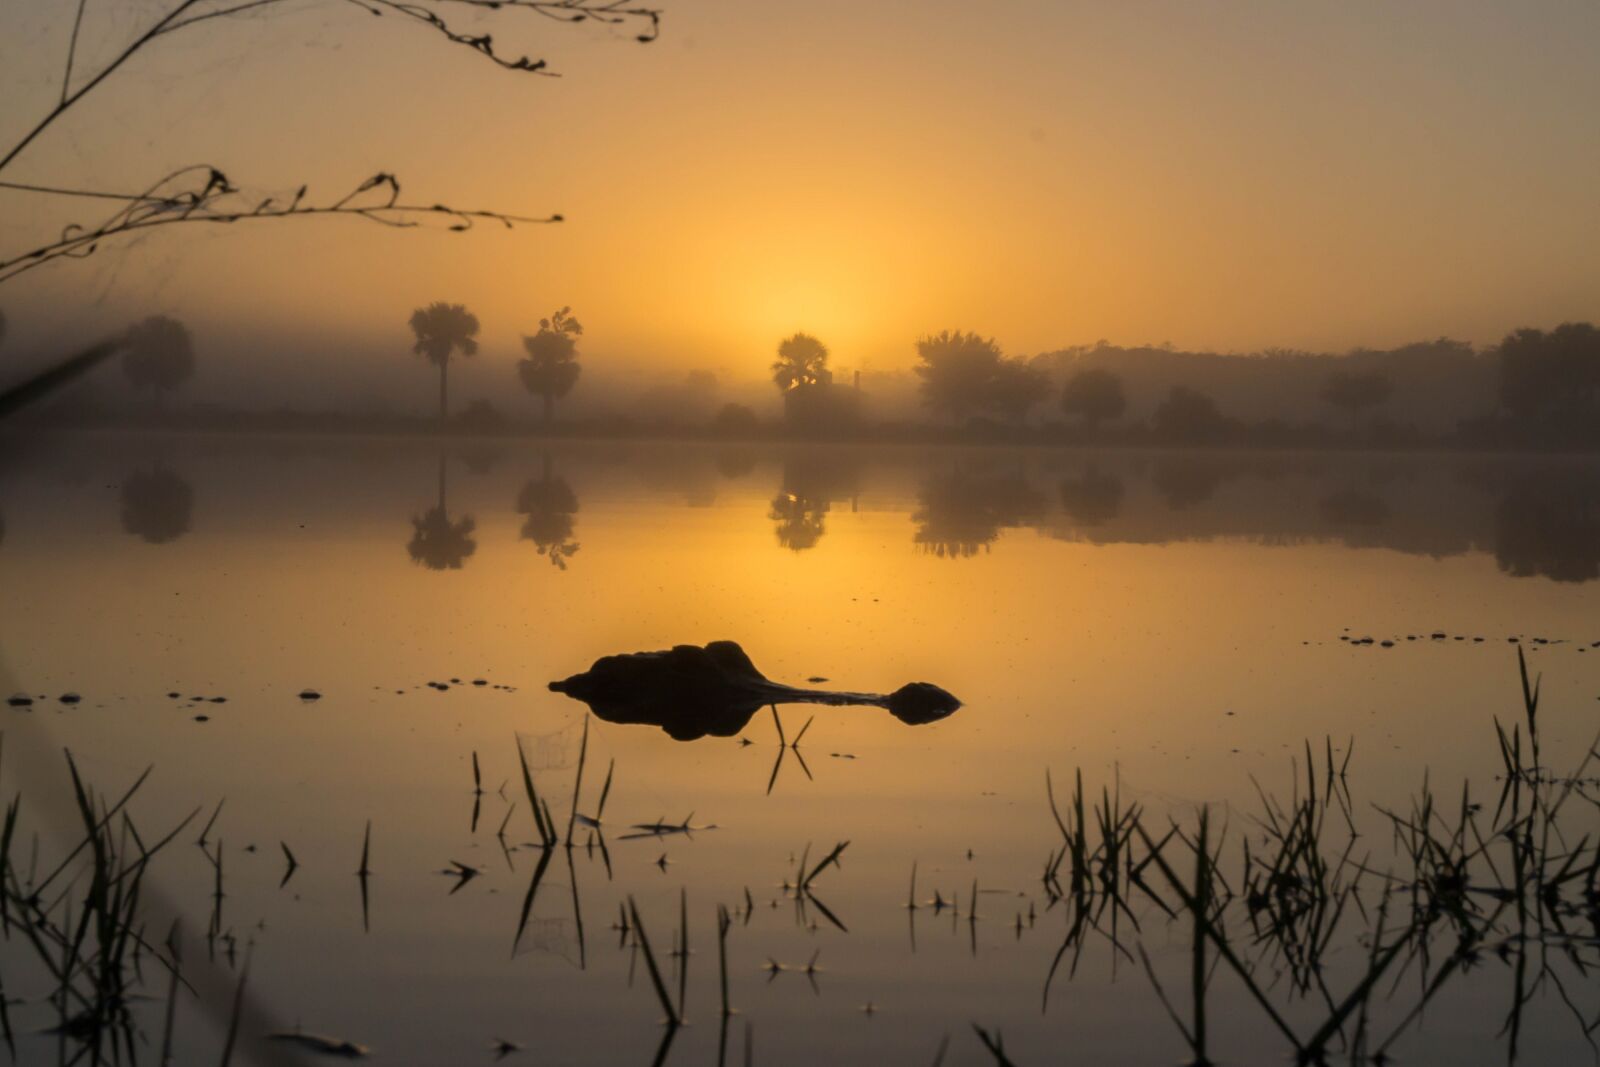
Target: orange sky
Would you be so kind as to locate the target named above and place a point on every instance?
(1227, 175)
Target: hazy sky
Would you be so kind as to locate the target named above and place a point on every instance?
(1223, 175)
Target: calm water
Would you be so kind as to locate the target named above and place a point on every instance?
(1170, 624)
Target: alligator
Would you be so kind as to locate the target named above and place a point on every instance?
(692, 691)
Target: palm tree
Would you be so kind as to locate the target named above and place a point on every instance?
(802, 361)
(441, 329)
(551, 369)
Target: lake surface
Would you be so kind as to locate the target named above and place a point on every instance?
(1176, 626)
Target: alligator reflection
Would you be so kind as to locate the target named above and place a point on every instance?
(692, 692)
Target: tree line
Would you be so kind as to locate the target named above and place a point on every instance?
(1535, 387)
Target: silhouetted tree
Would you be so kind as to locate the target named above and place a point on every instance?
(157, 505)
(439, 542)
(960, 514)
(441, 330)
(1093, 499)
(1352, 392)
(551, 369)
(956, 370)
(810, 400)
(1188, 415)
(802, 362)
(549, 505)
(1095, 395)
(1018, 387)
(964, 375)
(159, 355)
(1554, 375)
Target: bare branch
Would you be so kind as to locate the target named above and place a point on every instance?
(161, 205)
(218, 13)
(214, 199)
(72, 50)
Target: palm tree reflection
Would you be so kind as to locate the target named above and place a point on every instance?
(812, 481)
(799, 519)
(439, 542)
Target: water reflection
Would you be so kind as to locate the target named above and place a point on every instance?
(549, 505)
(1549, 526)
(1354, 507)
(799, 520)
(812, 481)
(736, 461)
(1092, 498)
(157, 505)
(1185, 481)
(1535, 517)
(439, 542)
(481, 458)
(960, 514)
